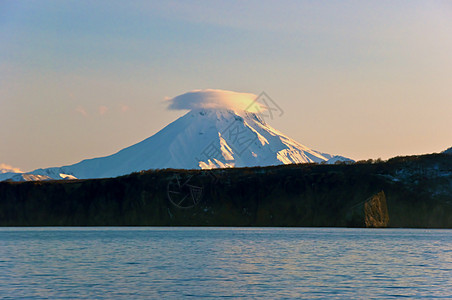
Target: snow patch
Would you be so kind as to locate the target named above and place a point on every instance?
(67, 176)
(226, 151)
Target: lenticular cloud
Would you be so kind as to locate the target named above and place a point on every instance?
(214, 99)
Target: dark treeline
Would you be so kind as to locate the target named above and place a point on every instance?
(418, 191)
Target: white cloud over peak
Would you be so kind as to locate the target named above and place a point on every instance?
(217, 99)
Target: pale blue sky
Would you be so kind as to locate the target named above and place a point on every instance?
(363, 79)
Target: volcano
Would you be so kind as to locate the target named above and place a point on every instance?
(204, 138)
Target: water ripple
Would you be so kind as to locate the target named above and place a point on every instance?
(267, 263)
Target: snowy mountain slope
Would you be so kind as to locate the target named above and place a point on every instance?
(7, 175)
(203, 138)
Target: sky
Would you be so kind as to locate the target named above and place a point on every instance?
(362, 79)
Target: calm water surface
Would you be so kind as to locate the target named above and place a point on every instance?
(173, 263)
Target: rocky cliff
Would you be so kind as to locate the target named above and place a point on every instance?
(376, 211)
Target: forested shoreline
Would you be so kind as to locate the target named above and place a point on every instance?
(417, 191)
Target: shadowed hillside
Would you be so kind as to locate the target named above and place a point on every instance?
(417, 192)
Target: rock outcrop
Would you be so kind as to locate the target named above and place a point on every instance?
(376, 211)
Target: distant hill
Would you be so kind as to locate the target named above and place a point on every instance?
(448, 151)
(414, 191)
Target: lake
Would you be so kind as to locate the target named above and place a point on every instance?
(267, 263)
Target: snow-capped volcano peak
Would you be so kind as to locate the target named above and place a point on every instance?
(245, 139)
(208, 136)
(226, 115)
